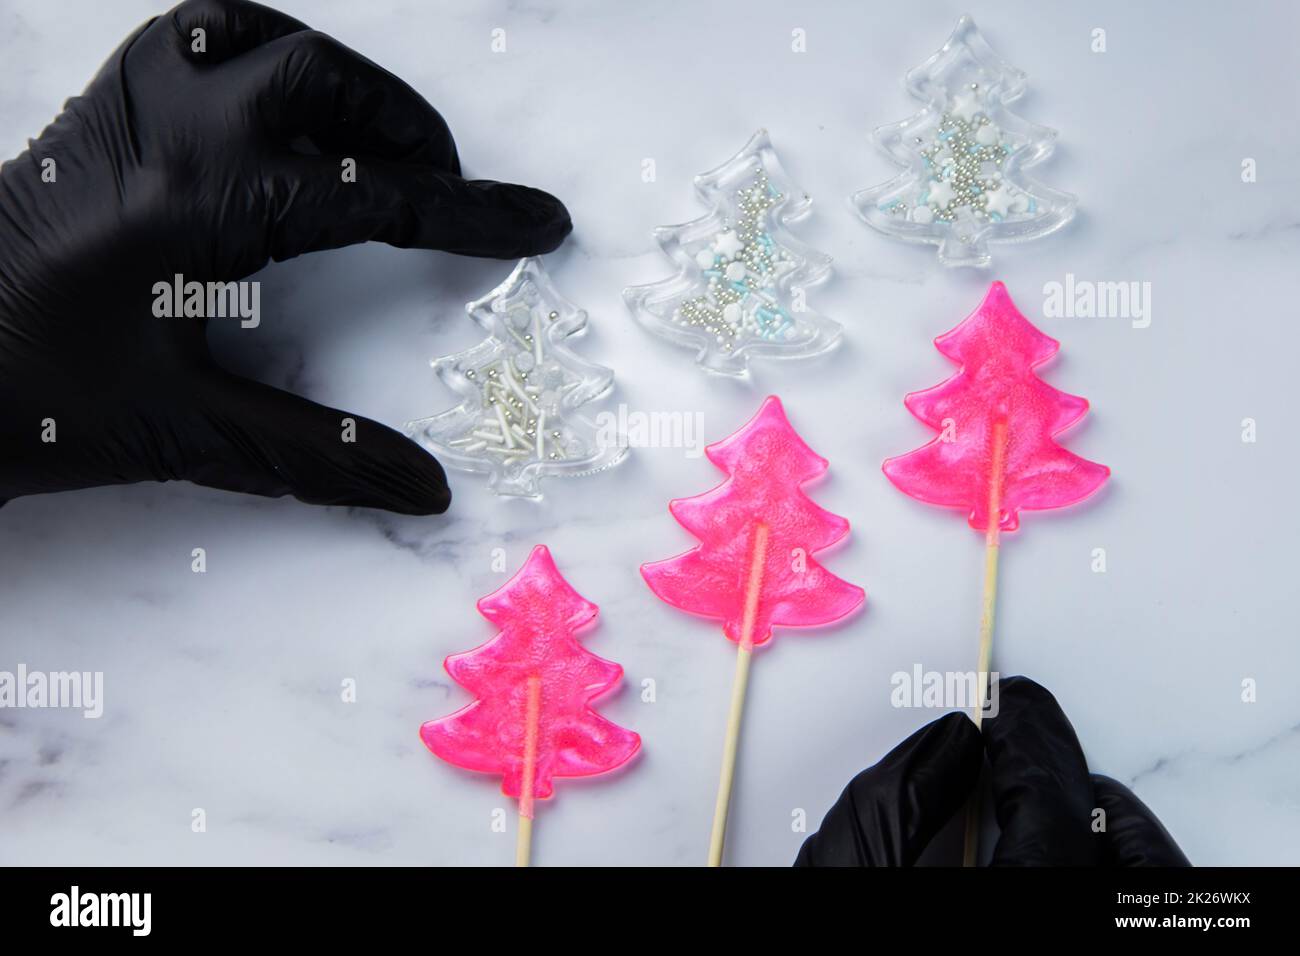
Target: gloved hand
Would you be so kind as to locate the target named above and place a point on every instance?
(209, 163)
(1043, 795)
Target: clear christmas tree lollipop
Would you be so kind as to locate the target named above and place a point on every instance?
(522, 389)
(741, 276)
(534, 683)
(754, 567)
(965, 154)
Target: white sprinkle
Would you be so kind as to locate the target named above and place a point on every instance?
(519, 338)
(501, 417)
(518, 389)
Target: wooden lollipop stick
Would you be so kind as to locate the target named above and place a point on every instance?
(524, 843)
(744, 652)
(988, 606)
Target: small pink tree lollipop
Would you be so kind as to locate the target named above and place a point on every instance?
(534, 682)
(754, 567)
(995, 453)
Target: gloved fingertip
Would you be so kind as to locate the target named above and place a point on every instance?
(498, 220)
(1018, 694)
(245, 436)
(548, 237)
(212, 31)
(406, 480)
(1041, 789)
(542, 220)
(889, 813)
(1019, 686)
(957, 732)
(432, 499)
(1132, 833)
(949, 756)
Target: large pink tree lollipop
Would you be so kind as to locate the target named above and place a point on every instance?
(995, 453)
(754, 567)
(534, 682)
(996, 421)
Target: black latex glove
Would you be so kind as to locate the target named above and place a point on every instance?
(1043, 794)
(210, 164)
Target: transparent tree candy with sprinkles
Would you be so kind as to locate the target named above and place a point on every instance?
(532, 720)
(965, 155)
(739, 288)
(520, 419)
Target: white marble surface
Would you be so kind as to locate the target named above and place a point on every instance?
(222, 689)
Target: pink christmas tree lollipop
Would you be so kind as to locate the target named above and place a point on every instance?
(996, 421)
(995, 453)
(534, 682)
(754, 567)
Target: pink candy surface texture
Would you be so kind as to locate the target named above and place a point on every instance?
(535, 684)
(758, 531)
(995, 417)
